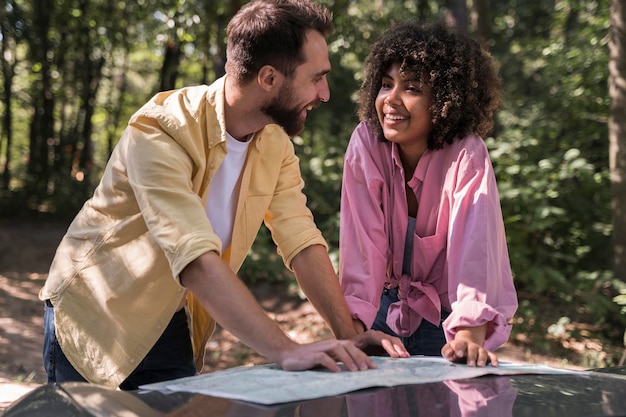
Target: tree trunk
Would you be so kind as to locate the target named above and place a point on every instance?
(171, 63)
(456, 15)
(219, 58)
(42, 124)
(9, 61)
(481, 19)
(90, 90)
(617, 133)
(115, 114)
(7, 127)
(423, 9)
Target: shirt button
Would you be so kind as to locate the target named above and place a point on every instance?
(132, 360)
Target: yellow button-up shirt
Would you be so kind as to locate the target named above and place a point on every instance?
(114, 281)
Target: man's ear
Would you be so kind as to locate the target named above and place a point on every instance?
(268, 78)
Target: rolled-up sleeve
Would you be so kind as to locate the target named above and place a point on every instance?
(288, 218)
(479, 273)
(160, 173)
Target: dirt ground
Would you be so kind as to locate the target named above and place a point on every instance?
(25, 254)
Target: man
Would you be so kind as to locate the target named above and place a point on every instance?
(185, 191)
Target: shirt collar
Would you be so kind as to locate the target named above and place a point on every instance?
(420, 170)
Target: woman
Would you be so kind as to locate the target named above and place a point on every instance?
(423, 250)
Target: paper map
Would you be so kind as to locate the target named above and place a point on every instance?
(269, 384)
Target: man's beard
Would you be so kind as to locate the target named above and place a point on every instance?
(279, 110)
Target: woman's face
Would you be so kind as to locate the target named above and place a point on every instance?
(403, 108)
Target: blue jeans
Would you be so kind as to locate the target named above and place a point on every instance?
(170, 358)
(427, 340)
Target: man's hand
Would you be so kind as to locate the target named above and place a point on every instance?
(376, 342)
(224, 296)
(467, 347)
(325, 353)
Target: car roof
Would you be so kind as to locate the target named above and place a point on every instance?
(601, 392)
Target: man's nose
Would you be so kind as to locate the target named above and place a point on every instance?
(324, 91)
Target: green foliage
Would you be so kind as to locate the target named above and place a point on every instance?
(551, 155)
(551, 144)
(263, 262)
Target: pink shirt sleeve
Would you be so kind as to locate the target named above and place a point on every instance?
(479, 276)
(364, 249)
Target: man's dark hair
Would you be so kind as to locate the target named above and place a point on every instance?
(466, 89)
(272, 32)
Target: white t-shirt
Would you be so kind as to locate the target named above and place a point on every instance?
(224, 189)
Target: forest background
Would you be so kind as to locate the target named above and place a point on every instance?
(73, 71)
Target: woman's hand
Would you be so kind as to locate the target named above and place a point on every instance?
(467, 347)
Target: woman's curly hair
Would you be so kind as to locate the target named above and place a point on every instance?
(466, 89)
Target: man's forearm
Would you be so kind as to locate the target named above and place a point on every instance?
(318, 280)
(226, 298)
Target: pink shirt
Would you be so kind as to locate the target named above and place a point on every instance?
(460, 260)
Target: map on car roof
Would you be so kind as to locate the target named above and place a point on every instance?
(269, 384)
